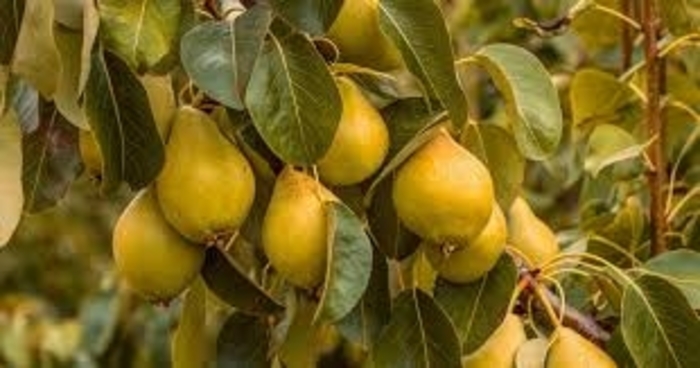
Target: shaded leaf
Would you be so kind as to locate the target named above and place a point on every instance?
(312, 16)
(142, 32)
(225, 278)
(349, 263)
(243, 342)
(479, 307)
(69, 44)
(219, 56)
(10, 176)
(428, 54)
(120, 117)
(189, 344)
(675, 16)
(532, 101)
(296, 115)
(99, 317)
(609, 145)
(11, 12)
(656, 314)
(36, 56)
(681, 268)
(51, 160)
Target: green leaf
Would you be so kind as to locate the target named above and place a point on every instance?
(225, 278)
(681, 268)
(597, 97)
(349, 263)
(142, 32)
(36, 57)
(11, 12)
(293, 99)
(312, 16)
(675, 15)
(366, 320)
(531, 99)
(120, 117)
(391, 236)
(479, 307)
(497, 149)
(219, 56)
(243, 342)
(609, 145)
(91, 26)
(99, 318)
(69, 44)
(189, 343)
(51, 160)
(658, 325)
(418, 29)
(10, 176)
(419, 334)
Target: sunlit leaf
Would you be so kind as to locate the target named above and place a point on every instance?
(10, 176)
(675, 15)
(69, 44)
(681, 268)
(609, 145)
(189, 345)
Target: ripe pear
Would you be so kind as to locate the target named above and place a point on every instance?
(529, 234)
(150, 255)
(294, 229)
(571, 350)
(443, 193)
(472, 261)
(361, 141)
(69, 13)
(357, 35)
(207, 186)
(500, 348)
(90, 152)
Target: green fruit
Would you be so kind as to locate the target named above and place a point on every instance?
(150, 255)
(206, 187)
(529, 234)
(360, 143)
(500, 348)
(472, 261)
(571, 350)
(294, 230)
(357, 35)
(443, 193)
(69, 13)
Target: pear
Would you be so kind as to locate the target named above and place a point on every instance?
(571, 350)
(207, 186)
(357, 35)
(443, 193)
(90, 153)
(529, 234)
(361, 141)
(69, 13)
(294, 229)
(500, 348)
(472, 261)
(150, 255)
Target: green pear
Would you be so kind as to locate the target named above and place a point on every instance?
(472, 261)
(529, 234)
(150, 255)
(500, 348)
(207, 186)
(359, 39)
(571, 350)
(294, 229)
(361, 141)
(443, 193)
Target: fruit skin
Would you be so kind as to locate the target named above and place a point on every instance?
(90, 152)
(69, 13)
(207, 186)
(529, 234)
(571, 350)
(357, 35)
(294, 229)
(361, 142)
(443, 193)
(472, 261)
(501, 347)
(150, 255)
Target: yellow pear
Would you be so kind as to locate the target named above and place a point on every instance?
(359, 38)
(529, 234)
(150, 255)
(472, 261)
(294, 230)
(207, 186)
(571, 350)
(500, 348)
(443, 193)
(90, 152)
(360, 143)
